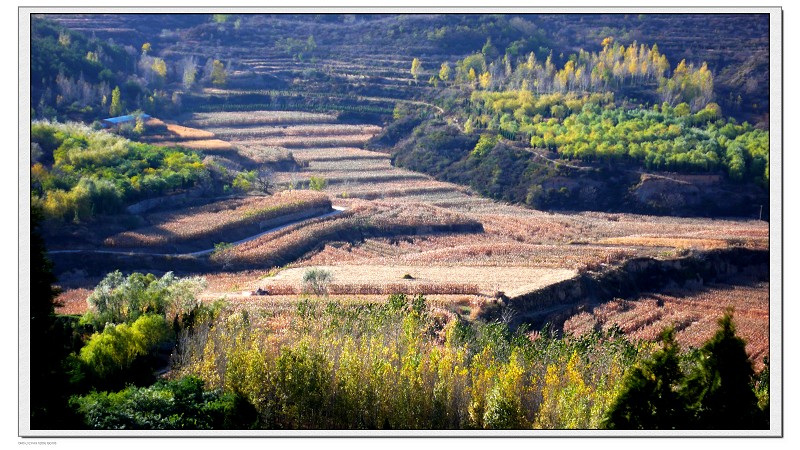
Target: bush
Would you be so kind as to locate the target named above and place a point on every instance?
(166, 405)
(317, 183)
(115, 350)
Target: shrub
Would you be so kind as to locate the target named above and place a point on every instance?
(317, 183)
(166, 405)
(118, 347)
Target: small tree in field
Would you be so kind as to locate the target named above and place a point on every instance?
(416, 68)
(223, 252)
(219, 76)
(315, 281)
(264, 180)
(317, 183)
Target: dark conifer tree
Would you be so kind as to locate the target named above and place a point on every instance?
(651, 398)
(722, 383)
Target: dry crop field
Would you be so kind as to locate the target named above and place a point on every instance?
(217, 220)
(172, 135)
(422, 279)
(692, 312)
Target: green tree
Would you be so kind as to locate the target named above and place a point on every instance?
(223, 252)
(166, 405)
(116, 103)
(444, 72)
(416, 68)
(317, 183)
(220, 18)
(219, 75)
(114, 351)
(118, 299)
(315, 281)
(47, 380)
(651, 398)
(722, 385)
(485, 143)
(189, 74)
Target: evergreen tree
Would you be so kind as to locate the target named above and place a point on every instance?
(721, 385)
(48, 339)
(651, 397)
(716, 394)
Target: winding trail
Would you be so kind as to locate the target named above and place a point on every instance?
(336, 210)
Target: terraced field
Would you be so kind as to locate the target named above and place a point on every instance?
(515, 251)
(692, 312)
(457, 247)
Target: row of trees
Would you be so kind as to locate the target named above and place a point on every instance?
(614, 67)
(380, 366)
(590, 127)
(659, 139)
(715, 388)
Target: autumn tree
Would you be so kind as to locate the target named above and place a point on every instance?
(416, 68)
(219, 75)
(116, 103)
(444, 72)
(485, 80)
(159, 68)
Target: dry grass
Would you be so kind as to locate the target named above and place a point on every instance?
(468, 250)
(343, 140)
(361, 218)
(73, 301)
(335, 154)
(321, 129)
(251, 118)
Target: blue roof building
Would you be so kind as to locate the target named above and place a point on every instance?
(121, 120)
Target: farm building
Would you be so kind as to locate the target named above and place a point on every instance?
(116, 122)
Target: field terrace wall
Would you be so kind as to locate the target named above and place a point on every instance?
(344, 229)
(557, 302)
